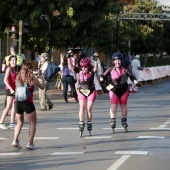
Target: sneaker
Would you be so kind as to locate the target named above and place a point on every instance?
(2, 126)
(31, 146)
(42, 109)
(16, 144)
(11, 125)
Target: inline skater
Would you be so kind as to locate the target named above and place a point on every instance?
(118, 89)
(86, 92)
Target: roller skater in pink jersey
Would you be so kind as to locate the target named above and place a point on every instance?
(118, 89)
(86, 92)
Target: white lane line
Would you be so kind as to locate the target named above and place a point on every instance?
(132, 152)
(97, 137)
(67, 153)
(150, 137)
(159, 128)
(11, 154)
(162, 126)
(68, 128)
(25, 128)
(167, 122)
(119, 162)
(111, 129)
(47, 138)
(3, 138)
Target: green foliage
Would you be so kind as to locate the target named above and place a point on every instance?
(86, 23)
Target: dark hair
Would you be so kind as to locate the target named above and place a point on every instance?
(65, 61)
(10, 58)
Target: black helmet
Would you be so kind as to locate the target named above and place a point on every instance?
(117, 55)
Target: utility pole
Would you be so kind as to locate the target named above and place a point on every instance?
(20, 37)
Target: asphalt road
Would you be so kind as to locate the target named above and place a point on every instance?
(145, 146)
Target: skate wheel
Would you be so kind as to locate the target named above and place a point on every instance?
(81, 133)
(126, 129)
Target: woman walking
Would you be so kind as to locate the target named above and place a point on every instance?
(9, 80)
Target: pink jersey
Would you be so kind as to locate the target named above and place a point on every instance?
(115, 75)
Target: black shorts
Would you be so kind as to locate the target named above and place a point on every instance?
(8, 93)
(21, 107)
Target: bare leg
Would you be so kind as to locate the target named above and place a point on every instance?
(20, 121)
(82, 105)
(113, 110)
(123, 108)
(12, 114)
(89, 110)
(7, 108)
(32, 118)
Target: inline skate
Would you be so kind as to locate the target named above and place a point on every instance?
(124, 124)
(113, 124)
(89, 127)
(81, 128)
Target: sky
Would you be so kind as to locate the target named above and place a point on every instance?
(164, 2)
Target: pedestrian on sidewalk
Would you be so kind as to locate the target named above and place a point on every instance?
(9, 80)
(26, 76)
(118, 89)
(67, 79)
(136, 67)
(45, 102)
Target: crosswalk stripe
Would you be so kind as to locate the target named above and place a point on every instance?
(11, 154)
(132, 152)
(97, 137)
(159, 128)
(46, 138)
(66, 153)
(150, 137)
(68, 128)
(2, 138)
(111, 129)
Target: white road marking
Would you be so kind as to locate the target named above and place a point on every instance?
(25, 128)
(115, 129)
(167, 122)
(68, 128)
(3, 138)
(119, 162)
(67, 153)
(162, 126)
(11, 154)
(132, 152)
(150, 137)
(46, 137)
(159, 128)
(97, 137)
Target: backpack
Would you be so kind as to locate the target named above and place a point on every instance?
(22, 92)
(50, 73)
